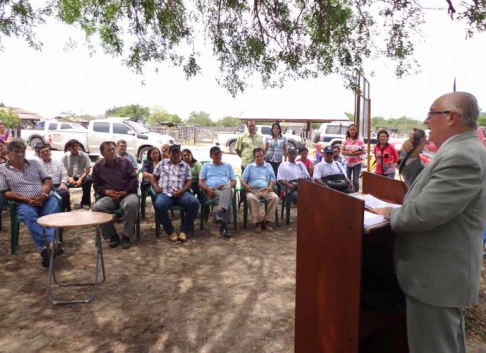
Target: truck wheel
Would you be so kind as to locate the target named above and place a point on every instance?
(232, 147)
(36, 141)
(142, 153)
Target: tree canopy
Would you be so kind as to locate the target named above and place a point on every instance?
(9, 118)
(159, 114)
(200, 118)
(135, 112)
(278, 39)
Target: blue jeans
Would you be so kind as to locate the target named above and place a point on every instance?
(164, 202)
(391, 175)
(355, 171)
(29, 215)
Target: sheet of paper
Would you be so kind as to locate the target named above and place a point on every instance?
(373, 202)
(371, 219)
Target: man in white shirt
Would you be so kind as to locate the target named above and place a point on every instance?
(328, 166)
(58, 173)
(290, 172)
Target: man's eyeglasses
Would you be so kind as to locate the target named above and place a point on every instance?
(439, 112)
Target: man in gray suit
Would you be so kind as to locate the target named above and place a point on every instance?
(438, 249)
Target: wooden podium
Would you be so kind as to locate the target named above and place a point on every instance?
(347, 296)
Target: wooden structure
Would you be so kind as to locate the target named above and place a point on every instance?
(347, 297)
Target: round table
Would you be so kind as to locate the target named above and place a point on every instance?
(75, 219)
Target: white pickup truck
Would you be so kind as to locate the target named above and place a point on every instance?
(40, 134)
(228, 139)
(138, 138)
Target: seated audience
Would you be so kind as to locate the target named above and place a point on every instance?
(306, 161)
(27, 184)
(148, 166)
(121, 151)
(165, 151)
(290, 172)
(217, 179)
(328, 167)
(57, 172)
(78, 166)
(258, 179)
(337, 156)
(195, 170)
(3, 152)
(114, 178)
(172, 180)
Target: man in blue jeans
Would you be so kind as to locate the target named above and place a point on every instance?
(172, 180)
(26, 183)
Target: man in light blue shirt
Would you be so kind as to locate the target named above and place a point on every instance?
(258, 179)
(218, 179)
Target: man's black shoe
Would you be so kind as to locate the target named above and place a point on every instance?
(126, 242)
(218, 217)
(46, 261)
(114, 241)
(224, 232)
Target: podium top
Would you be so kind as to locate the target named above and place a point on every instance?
(74, 219)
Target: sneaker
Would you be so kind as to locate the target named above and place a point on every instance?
(224, 231)
(182, 237)
(218, 217)
(46, 261)
(258, 227)
(173, 236)
(126, 242)
(114, 241)
(268, 227)
(85, 207)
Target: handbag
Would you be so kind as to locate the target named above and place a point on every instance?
(337, 182)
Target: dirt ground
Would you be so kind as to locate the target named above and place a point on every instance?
(210, 294)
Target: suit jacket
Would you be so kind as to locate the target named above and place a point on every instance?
(438, 248)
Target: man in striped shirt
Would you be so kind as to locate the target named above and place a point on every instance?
(27, 184)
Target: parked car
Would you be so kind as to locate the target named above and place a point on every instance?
(229, 139)
(40, 135)
(334, 133)
(139, 139)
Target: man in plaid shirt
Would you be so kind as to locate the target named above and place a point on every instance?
(172, 180)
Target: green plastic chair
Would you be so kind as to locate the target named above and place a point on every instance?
(15, 225)
(119, 213)
(208, 205)
(286, 203)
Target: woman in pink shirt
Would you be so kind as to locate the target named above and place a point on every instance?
(353, 149)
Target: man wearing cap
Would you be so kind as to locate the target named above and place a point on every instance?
(290, 172)
(328, 166)
(172, 180)
(27, 184)
(116, 180)
(78, 166)
(217, 180)
(258, 179)
(58, 173)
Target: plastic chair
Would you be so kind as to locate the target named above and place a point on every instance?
(143, 194)
(119, 213)
(286, 204)
(15, 224)
(207, 204)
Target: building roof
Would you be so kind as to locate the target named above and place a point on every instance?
(23, 114)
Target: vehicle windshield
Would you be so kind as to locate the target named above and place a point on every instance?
(78, 126)
(139, 129)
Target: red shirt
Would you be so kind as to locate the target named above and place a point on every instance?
(386, 158)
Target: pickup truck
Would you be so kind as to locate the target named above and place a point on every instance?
(229, 139)
(138, 138)
(40, 134)
(334, 133)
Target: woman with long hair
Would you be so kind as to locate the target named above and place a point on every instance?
(386, 156)
(148, 166)
(4, 133)
(353, 150)
(275, 147)
(306, 161)
(196, 167)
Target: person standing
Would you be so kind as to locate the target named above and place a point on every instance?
(439, 228)
(172, 180)
(275, 147)
(115, 179)
(386, 156)
(353, 150)
(27, 184)
(337, 155)
(121, 151)
(5, 135)
(246, 143)
(304, 152)
(78, 166)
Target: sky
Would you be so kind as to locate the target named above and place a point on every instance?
(55, 80)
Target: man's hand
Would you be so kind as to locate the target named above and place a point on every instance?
(210, 193)
(221, 187)
(291, 187)
(38, 201)
(247, 188)
(178, 193)
(408, 146)
(269, 188)
(111, 194)
(350, 185)
(121, 194)
(158, 189)
(385, 211)
(62, 187)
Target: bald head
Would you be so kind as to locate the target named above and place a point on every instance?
(465, 104)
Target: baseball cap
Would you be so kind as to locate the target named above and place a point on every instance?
(292, 149)
(214, 149)
(174, 147)
(328, 149)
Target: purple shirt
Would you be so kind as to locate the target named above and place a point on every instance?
(119, 177)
